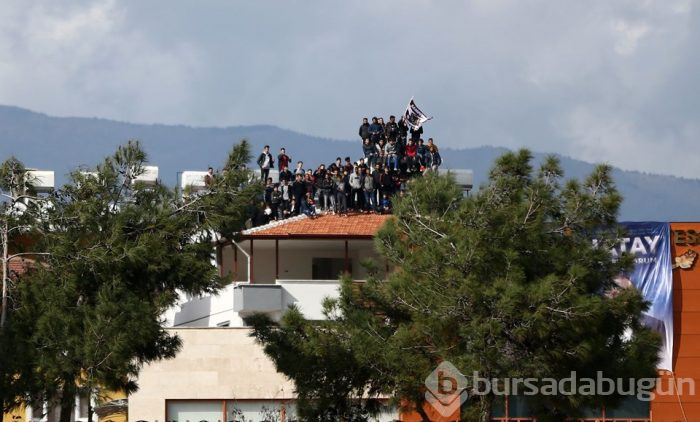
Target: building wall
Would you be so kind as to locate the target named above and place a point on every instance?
(41, 412)
(308, 296)
(295, 257)
(214, 310)
(16, 415)
(686, 327)
(215, 366)
(207, 311)
(214, 363)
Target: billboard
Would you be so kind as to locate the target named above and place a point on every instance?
(652, 275)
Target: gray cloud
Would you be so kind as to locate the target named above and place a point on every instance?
(598, 80)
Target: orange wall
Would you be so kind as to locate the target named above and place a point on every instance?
(686, 332)
(432, 414)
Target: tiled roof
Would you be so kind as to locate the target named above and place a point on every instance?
(324, 226)
(18, 266)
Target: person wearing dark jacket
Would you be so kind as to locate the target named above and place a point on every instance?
(320, 172)
(258, 217)
(265, 162)
(308, 206)
(375, 131)
(334, 168)
(327, 196)
(348, 167)
(422, 153)
(298, 191)
(285, 174)
(434, 158)
(310, 183)
(381, 123)
(377, 175)
(341, 197)
(275, 203)
(416, 133)
(364, 130)
(286, 190)
(269, 187)
(403, 128)
(386, 183)
(370, 152)
(391, 129)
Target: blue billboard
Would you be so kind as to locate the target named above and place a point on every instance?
(652, 275)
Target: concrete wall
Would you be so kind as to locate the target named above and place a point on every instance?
(308, 295)
(210, 311)
(214, 363)
(205, 311)
(217, 370)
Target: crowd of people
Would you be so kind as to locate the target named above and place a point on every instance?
(392, 153)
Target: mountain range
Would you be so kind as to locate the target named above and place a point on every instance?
(65, 143)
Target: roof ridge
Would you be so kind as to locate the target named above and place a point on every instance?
(274, 223)
(324, 225)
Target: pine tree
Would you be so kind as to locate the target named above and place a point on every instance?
(506, 283)
(118, 253)
(20, 210)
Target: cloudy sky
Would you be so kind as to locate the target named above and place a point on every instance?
(612, 81)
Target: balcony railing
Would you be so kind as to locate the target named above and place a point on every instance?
(249, 298)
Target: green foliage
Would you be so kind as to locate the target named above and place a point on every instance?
(118, 252)
(224, 208)
(300, 348)
(506, 283)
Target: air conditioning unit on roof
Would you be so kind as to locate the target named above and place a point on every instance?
(193, 179)
(463, 177)
(149, 175)
(41, 180)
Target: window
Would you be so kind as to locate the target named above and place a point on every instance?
(82, 403)
(224, 324)
(39, 411)
(630, 409)
(328, 268)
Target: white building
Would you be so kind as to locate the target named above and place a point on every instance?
(221, 374)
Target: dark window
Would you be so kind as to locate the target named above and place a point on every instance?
(631, 407)
(328, 268)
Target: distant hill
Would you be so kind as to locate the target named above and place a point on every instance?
(62, 144)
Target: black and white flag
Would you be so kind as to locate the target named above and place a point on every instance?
(414, 117)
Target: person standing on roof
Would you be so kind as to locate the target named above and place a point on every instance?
(434, 158)
(341, 198)
(300, 168)
(265, 162)
(375, 130)
(356, 195)
(298, 192)
(209, 178)
(283, 159)
(364, 129)
(391, 129)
